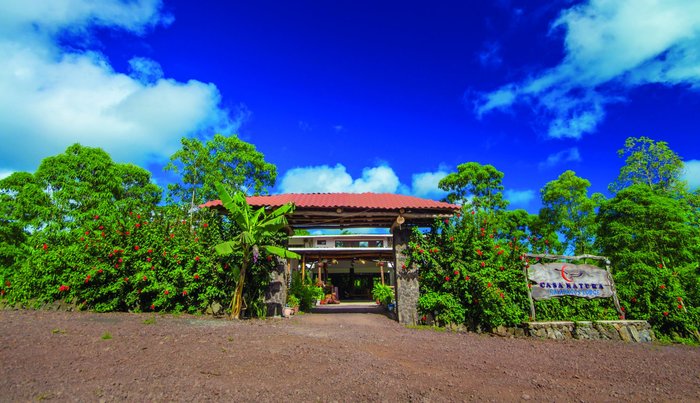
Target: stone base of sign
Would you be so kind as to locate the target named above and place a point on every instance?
(631, 331)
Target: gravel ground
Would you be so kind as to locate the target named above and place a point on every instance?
(69, 356)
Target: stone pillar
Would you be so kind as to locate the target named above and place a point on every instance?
(276, 294)
(406, 280)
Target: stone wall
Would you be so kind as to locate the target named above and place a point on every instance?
(276, 294)
(407, 290)
(637, 331)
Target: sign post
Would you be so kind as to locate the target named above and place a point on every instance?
(558, 279)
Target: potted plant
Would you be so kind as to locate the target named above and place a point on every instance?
(293, 303)
(382, 293)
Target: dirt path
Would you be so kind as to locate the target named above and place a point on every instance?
(328, 357)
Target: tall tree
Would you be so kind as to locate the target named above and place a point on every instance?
(257, 228)
(650, 163)
(227, 160)
(568, 210)
(476, 186)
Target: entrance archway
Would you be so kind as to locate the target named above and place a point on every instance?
(397, 213)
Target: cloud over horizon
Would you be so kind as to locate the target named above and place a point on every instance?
(52, 96)
(378, 179)
(691, 173)
(610, 48)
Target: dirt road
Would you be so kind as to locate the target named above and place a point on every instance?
(65, 356)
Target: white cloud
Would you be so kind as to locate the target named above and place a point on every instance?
(5, 174)
(568, 155)
(519, 197)
(426, 184)
(324, 178)
(610, 47)
(692, 173)
(379, 179)
(51, 97)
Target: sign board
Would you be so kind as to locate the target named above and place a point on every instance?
(577, 280)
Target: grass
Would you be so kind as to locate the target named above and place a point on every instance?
(426, 327)
(150, 321)
(106, 336)
(58, 331)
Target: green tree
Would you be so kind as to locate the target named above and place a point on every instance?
(257, 227)
(650, 163)
(476, 186)
(228, 160)
(648, 237)
(568, 210)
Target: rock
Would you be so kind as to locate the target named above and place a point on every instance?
(215, 309)
(519, 332)
(633, 333)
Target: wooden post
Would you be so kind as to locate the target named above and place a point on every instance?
(381, 270)
(614, 290)
(303, 269)
(529, 293)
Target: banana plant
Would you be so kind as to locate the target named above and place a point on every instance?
(256, 226)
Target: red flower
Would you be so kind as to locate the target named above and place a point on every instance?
(184, 222)
(82, 238)
(269, 258)
(680, 306)
(424, 318)
(447, 221)
(87, 232)
(145, 278)
(153, 307)
(116, 266)
(136, 247)
(128, 233)
(472, 212)
(452, 239)
(148, 259)
(622, 308)
(622, 317)
(197, 258)
(138, 216)
(97, 217)
(447, 278)
(153, 267)
(502, 268)
(7, 284)
(500, 252)
(419, 251)
(483, 264)
(101, 227)
(205, 225)
(634, 299)
(196, 276)
(403, 266)
(126, 279)
(456, 272)
(488, 285)
(662, 286)
(150, 251)
(479, 252)
(184, 293)
(466, 278)
(120, 260)
(501, 295)
(661, 265)
(680, 299)
(45, 246)
(137, 225)
(166, 292)
(63, 288)
(103, 234)
(99, 271)
(665, 313)
(172, 236)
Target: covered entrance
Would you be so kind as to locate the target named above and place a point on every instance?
(396, 213)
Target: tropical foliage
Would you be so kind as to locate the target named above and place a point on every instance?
(471, 266)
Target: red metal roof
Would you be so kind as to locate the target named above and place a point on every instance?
(377, 201)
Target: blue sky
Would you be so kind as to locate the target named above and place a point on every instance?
(356, 95)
